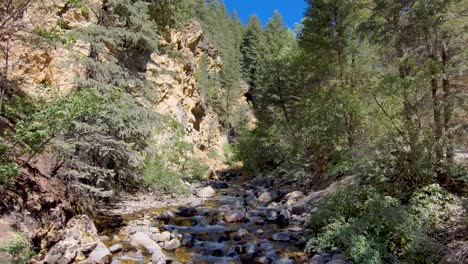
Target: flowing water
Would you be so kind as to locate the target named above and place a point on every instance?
(207, 238)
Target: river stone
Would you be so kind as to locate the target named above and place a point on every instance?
(282, 236)
(116, 248)
(164, 236)
(158, 257)
(100, 255)
(172, 245)
(250, 200)
(206, 192)
(234, 217)
(140, 239)
(267, 197)
(293, 196)
(261, 260)
(317, 259)
(259, 232)
(250, 247)
(240, 234)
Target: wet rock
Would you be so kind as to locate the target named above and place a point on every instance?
(250, 200)
(250, 248)
(100, 255)
(141, 239)
(259, 232)
(317, 259)
(247, 258)
(278, 216)
(172, 244)
(104, 238)
(187, 239)
(218, 184)
(282, 236)
(116, 248)
(298, 208)
(267, 197)
(260, 222)
(240, 234)
(235, 217)
(261, 260)
(166, 216)
(164, 236)
(206, 192)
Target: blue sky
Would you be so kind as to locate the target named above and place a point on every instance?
(291, 10)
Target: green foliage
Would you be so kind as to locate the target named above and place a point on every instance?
(371, 229)
(8, 170)
(171, 162)
(48, 35)
(172, 13)
(20, 249)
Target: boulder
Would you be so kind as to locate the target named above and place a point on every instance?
(164, 236)
(317, 259)
(235, 217)
(80, 237)
(206, 192)
(282, 236)
(158, 257)
(140, 239)
(172, 244)
(100, 255)
(116, 248)
(293, 197)
(267, 197)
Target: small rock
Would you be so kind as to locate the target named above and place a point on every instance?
(116, 238)
(267, 197)
(217, 253)
(317, 259)
(250, 247)
(282, 236)
(172, 245)
(116, 248)
(240, 234)
(186, 211)
(261, 260)
(154, 230)
(234, 217)
(259, 232)
(293, 196)
(206, 192)
(164, 236)
(100, 254)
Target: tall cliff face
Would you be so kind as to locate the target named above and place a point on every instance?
(179, 93)
(171, 70)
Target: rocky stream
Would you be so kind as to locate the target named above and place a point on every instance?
(236, 220)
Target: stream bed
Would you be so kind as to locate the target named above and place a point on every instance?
(233, 226)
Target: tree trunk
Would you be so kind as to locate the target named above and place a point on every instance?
(448, 106)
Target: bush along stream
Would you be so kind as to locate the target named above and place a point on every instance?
(236, 220)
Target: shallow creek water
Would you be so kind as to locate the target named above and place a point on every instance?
(207, 238)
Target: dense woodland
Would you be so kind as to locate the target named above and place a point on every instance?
(374, 89)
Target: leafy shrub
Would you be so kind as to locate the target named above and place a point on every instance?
(371, 228)
(8, 170)
(20, 249)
